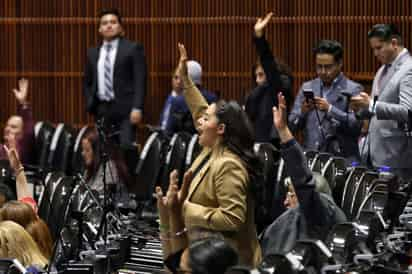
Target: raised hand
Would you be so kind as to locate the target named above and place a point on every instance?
(279, 113)
(280, 120)
(182, 66)
(261, 24)
(22, 92)
(14, 159)
(184, 190)
(176, 197)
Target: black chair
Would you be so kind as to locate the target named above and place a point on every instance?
(43, 134)
(51, 182)
(59, 206)
(11, 266)
(310, 156)
(343, 240)
(193, 150)
(61, 149)
(375, 201)
(361, 190)
(320, 161)
(334, 171)
(77, 163)
(270, 158)
(149, 167)
(354, 176)
(175, 158)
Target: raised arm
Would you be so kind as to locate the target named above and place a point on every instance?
(22, 188)
(297, 168)
(25, 144)
(264, 52)
(194, 99)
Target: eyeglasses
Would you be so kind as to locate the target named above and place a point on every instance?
(327, 67)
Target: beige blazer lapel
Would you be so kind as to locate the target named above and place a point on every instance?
(198, 179)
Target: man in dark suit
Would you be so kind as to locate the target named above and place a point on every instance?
(115, 79)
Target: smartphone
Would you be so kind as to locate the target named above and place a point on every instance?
(308, 93)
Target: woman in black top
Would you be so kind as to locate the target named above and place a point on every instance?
(271, 77)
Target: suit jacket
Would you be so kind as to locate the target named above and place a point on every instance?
(338, 122)
(219, 198)
(262, 99)
(129, 78)
(388, 142)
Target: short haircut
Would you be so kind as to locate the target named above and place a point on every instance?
(385, 32)
(329, 47)
(111, 11)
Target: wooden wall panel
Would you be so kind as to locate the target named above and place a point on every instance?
(46, 41)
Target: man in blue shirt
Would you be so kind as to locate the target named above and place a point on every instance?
(321, 106)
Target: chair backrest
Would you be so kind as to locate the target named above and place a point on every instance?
(378, 185)
(149, 167)
(334, 170)
(11, 266)
(59, 206)
(361, 190)
(269, 157)
(353, 178)
(175, 158)
(375, 201)
(61, 149)
(320, 161)
(193, 150)
(310, 156)
(51, 182)
(43, 136)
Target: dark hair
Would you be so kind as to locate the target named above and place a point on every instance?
(279, 64)
(93, 137)
(211, 256)
(6, 191)
(111, 11)
(385, 32)
(332, 47)
(239, 135)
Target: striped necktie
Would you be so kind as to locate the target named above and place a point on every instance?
(108, 83)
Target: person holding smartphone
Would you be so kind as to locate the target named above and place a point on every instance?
(321, 106)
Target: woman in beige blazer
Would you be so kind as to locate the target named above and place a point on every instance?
(219, 199)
